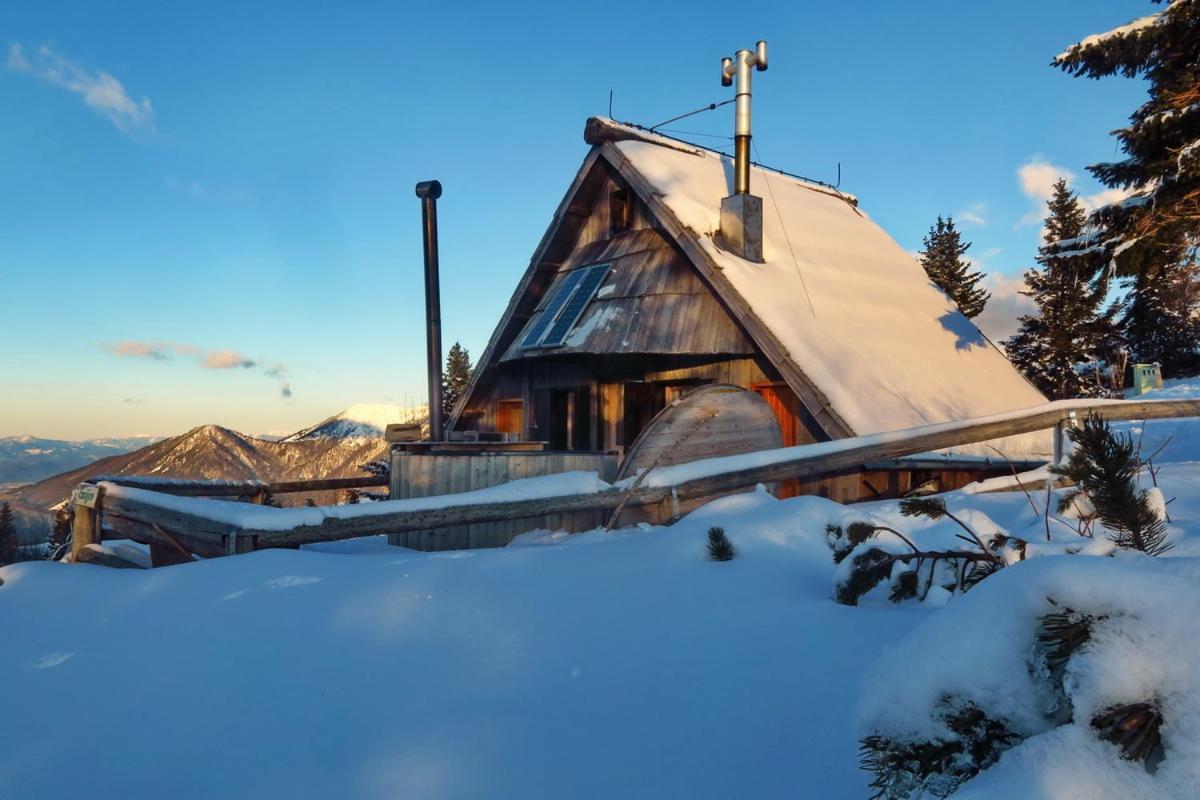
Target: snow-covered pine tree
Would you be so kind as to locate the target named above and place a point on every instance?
(8, 535)
(1153, 233)
(943, 261)
(455, 378)
(1071, 328)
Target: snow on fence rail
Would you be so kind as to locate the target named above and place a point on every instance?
(215, 527)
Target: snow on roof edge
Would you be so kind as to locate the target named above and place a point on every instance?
(598, 130)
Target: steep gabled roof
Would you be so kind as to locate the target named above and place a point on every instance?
(845, 314)
(849, 308)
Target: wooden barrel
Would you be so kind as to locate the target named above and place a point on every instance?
(709, 421)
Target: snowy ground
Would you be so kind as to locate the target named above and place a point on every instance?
(619, 665)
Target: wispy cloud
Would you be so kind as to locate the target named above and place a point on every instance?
(100, 91)
(228, 359)
(221, 359)
(154, 351)
(974, 214)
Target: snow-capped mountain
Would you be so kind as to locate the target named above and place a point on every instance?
(333, 448)
(361, 421)
(24, 459)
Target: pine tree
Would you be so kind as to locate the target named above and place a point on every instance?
(1104, 466)
(943, 261)
(1152, 234)
(1163, 153)
(1159, 320)
(8, 535)
(60, 533)
(1070, 329)
(455, 378)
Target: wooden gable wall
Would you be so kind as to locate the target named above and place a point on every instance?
(654, 329)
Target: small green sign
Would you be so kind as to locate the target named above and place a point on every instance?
(86, 494)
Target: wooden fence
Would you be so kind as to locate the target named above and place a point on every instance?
(152, 517)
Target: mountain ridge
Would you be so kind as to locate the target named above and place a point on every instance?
(336, 447)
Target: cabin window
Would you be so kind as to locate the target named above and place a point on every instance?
(568, 299)
(620, 211)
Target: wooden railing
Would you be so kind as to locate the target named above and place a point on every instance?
(222, 528)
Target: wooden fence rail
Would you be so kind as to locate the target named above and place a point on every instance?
(182, 488)
(145, 516)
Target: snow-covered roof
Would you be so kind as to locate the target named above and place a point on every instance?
(853, 310)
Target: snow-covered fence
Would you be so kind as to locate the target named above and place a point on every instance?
(214, 527)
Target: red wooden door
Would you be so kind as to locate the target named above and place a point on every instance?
(786, 406)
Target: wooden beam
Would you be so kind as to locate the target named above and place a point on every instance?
(241, 489)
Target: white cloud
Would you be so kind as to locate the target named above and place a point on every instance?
(100, 91)
(1000, 317)
(1037, 177)
(974, 214)
(16, 58)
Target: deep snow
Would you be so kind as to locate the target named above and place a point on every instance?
(605, 665)
(593, 665)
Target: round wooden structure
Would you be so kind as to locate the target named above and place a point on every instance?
(709, 421)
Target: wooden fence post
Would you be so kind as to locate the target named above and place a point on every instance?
(86, 526)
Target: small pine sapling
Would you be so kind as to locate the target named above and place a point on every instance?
(719, 546)
(1136, 729)
(1060, 634)
(954, 570)
(1104, 467)
(60, 535)
(906, 769)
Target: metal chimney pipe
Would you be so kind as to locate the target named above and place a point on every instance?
(429, 192)
(737, 71)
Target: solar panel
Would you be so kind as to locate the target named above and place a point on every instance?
(562, 293)
(573, 310)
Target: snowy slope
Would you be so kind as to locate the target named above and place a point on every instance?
(360, 421)
(853, 309)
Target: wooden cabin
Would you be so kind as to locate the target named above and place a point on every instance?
(630, 300)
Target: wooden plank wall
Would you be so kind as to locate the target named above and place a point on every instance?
(427, 474)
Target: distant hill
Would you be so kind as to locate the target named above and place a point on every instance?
(25, 459)
(334, 448)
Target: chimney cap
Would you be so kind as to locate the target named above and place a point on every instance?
(429, 189)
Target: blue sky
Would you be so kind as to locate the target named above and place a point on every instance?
(207, 212)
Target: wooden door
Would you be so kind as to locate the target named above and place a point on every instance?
(786, 407)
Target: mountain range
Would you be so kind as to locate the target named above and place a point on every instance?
(333, 448)
(24, 459)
